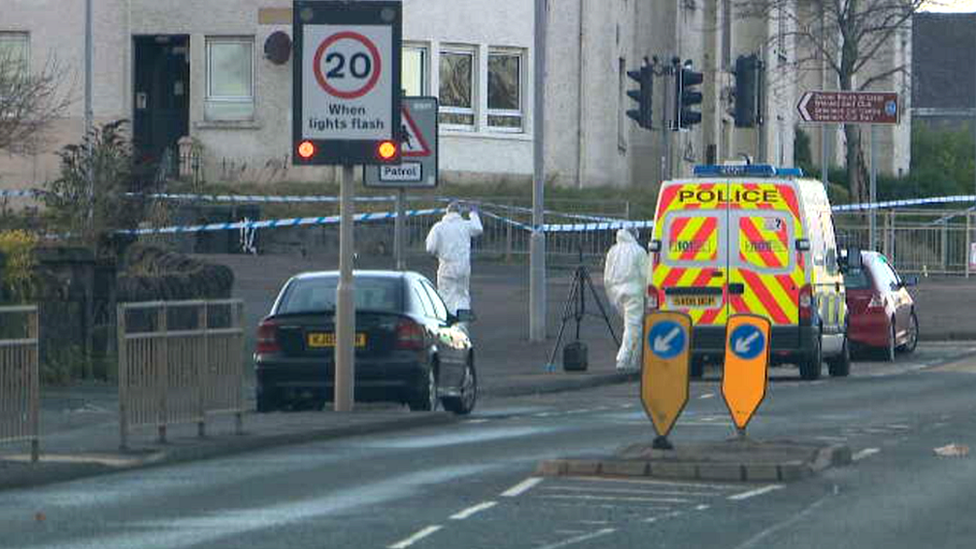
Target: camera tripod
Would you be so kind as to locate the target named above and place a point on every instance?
(575, 308)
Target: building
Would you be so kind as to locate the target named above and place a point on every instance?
(943, 74)
(201, 70)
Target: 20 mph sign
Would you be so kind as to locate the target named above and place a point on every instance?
(346, 81)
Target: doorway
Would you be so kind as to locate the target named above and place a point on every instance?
(161, 104)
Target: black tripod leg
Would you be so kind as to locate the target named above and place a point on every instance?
(570, 301)
(603, 311)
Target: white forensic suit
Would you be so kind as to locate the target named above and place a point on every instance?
(450, 240)
(624, 278)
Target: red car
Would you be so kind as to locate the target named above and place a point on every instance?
(881, 312)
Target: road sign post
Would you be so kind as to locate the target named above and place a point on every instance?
(346, 111)
(665, 372)
(746, 371)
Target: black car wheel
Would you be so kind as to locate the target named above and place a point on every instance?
(425, 397)
(840, 366)
(912, 342)
(697, 368)
(888, 351)
(267, 402)
(464, 403)
(811, 364)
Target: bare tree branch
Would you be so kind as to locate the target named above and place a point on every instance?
(30, 102)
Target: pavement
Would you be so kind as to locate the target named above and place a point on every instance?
(80, 423)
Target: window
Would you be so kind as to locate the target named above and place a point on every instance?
(440, 310)
(423, 300)
(14, 52)
(457, 88)
(319, 295)
(230, 79)
(413, 72)
(505, 91)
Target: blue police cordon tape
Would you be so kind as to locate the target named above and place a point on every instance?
(908, 202)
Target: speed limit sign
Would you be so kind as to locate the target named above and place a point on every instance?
(346, 81)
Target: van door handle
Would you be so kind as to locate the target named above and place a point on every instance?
(737, 288)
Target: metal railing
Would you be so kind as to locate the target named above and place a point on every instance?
(178, 362)
(20, 377)
(915, 241)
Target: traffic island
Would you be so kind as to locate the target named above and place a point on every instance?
(738, 459)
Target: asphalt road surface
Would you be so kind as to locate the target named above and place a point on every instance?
(469, 485)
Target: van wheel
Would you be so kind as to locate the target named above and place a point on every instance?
(697, 368)
(840, 366)
(811, 364)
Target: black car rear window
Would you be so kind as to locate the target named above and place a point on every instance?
(857, 280)
(311, 295)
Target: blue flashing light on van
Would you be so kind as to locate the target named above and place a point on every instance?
(746, 170)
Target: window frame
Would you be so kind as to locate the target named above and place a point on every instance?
(26, 38)
(521, 56)
(209, 98)
(472, 52)
(425, 65)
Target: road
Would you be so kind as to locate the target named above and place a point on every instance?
(468, 485)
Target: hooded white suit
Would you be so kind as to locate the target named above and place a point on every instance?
(450, 240)
(624, 278)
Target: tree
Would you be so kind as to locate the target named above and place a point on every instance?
(30, 102)
(844, 36)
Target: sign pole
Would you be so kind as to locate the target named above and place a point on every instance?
(873, 191)
(398, 221)
(345, 367)
(824, 160)
(537, 244)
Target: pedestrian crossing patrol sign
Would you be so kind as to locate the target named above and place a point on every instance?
(418, 149)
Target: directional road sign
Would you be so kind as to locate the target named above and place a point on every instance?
(746, 370)
(418, 149)
(664, 377)
(346, 80)
(839, 107)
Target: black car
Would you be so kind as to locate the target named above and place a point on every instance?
(409, 349)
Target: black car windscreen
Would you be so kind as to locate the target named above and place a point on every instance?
(316, 295)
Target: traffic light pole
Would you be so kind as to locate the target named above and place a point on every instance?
(345, 315)
(537, 243)
(398, 221)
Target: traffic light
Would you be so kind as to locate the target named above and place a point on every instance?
(644, 96)
(686, 97)
(748, 90)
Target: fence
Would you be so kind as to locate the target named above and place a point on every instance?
(915, 241)
(19, 377)
(178, 362)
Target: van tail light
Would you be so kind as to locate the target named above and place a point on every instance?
(877, 301)
(409, 335)
(653, 302)
(805, 303)
(267, 337)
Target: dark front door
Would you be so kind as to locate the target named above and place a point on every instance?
(162, 99)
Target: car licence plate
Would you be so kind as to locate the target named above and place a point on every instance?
(318, 340)
(698, 301)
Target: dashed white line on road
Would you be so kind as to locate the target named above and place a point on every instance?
(649, 490)
(831, 439)
(666, 516)
(544, 414)
(756, 492)
(865, 453)
(702, 507)
(461, 515)
(579, 411)
(522, 487)
(655, 482)
(594, 522)
(579, 539)
(416, 537)
(577, 497)
(707, 395)
(476, 421)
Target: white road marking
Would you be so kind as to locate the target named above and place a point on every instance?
(579, 411)
(756, 492)
(461, 515)
(707, 395)
(416, 537)
(569, 531)
(594, 522)
(702, 507)
(544, 414)
(657, 482)
(831, 439)
(666, 516)
(522, 487)
(615, 498)
(755, 540)
(579, 539)
(865, 453)
(630, 491)
(476, 421)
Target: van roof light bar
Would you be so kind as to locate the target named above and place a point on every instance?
(747, 170)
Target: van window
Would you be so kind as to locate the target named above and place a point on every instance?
(692, 238)
(763, 241)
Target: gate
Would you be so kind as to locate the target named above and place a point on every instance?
(19, 377)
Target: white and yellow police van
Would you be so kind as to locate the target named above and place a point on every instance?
(751, 239)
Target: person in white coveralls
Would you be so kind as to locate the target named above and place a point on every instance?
(450, 240)
(624, 277)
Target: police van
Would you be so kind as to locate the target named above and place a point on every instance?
(751, 239)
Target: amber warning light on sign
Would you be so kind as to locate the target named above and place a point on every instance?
(387, 151)
(306, 150)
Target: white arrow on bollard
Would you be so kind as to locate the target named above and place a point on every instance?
(742, 346)
(662, 344)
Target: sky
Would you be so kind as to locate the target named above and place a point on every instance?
(951, 6)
